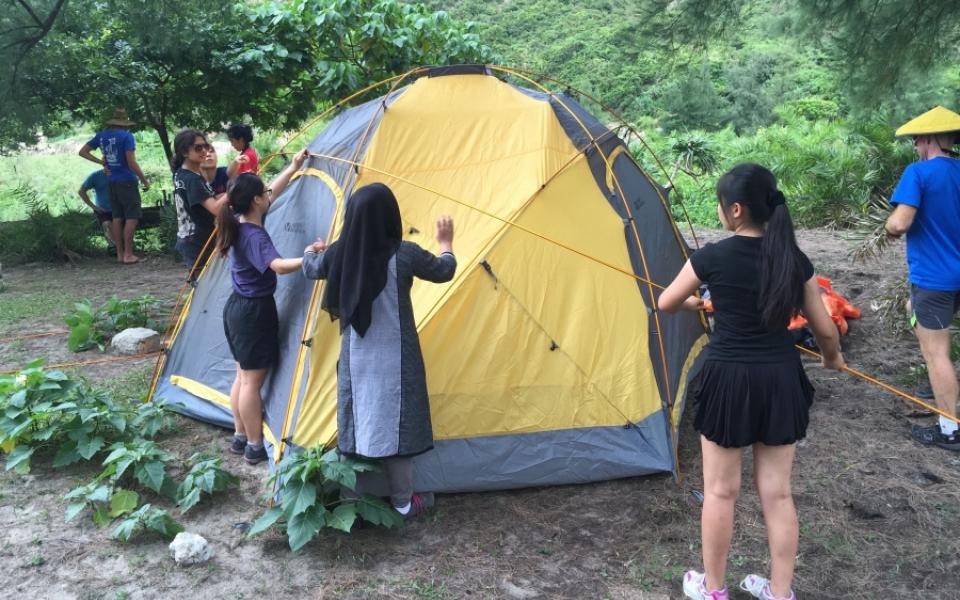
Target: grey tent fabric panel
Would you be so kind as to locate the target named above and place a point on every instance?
(664, 259)
(546, 458)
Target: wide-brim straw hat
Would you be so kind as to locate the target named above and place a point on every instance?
(120, 118)
(936, 120)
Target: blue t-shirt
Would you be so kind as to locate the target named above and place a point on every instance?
(98, 182)
(933, 241)
(251, 256)
(114, 144)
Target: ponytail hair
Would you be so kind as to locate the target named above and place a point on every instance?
(182, 144)
(781, 261)
(240, 199)
(241, 131)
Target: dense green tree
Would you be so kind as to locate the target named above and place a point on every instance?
(175, 63)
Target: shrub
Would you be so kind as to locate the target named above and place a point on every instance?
(309, 485)
(44, 237)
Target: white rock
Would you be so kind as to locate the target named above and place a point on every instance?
(136, 340)
(519, 592)
(189, 549)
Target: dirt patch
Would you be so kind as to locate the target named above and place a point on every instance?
(878, 512)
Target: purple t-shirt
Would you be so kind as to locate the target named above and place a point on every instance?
(251, 256)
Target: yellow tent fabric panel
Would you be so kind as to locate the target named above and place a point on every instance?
(687, 365)
(490, 369)
(317, 418)
(504, 374)
(472, 138)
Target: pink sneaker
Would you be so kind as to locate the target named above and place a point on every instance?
(695, 588)
(759, 587)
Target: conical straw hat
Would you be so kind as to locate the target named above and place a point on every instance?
(936, 120)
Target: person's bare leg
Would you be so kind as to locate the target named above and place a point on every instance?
(108, 232)
(251, 405)
(772, 470)
(129, 228)
(116, 228)
(935, 346)
(235, 404)
(721, 486)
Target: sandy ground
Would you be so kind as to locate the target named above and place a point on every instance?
(879, 513)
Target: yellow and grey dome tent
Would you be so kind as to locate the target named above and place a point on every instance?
(547, 361)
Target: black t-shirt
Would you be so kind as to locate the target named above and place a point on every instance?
(731, 269)
(193, 220)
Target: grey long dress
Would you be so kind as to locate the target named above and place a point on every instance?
(382, 404)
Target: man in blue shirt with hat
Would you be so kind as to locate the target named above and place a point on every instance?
(120, 161)
(927, 209)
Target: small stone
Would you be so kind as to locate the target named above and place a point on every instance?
(190, 549)
(136, 340)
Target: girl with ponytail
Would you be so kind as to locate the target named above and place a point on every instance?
(752, 390)
(250, 319)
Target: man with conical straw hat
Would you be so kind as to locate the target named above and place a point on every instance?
(927, 209)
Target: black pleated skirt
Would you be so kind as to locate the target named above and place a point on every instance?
(740, 404)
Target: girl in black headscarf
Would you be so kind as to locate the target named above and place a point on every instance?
(382, 404)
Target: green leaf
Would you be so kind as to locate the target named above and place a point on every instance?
(100, 494)
(343, 517)
(298, 496)
(79, 337)
(342, 473)
(73, 510)
(189, 500)
(89, 447)
(265, 521)
(304, 526)
(101, 517)
(19, 459)
(126, 529)
(66, 454)
(161, 522)
(151, 475)
(122, 502)
(378, 512)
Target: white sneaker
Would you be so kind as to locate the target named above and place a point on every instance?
(759, 587)
(695, 588)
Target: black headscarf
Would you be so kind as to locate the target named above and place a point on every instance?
(357, 262)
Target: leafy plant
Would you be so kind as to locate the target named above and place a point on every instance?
(310, 484)
(206, 476)
(154, 417)
(106, 501)
(40, 409)
(89, 327)
(145, 460)
(147, 518)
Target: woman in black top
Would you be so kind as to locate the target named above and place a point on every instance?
(753, 390)
(196, 204)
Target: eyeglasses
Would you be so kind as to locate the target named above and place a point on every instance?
(202, 148)
(268, 192)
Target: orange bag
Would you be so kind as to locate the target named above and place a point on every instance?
(838, 307)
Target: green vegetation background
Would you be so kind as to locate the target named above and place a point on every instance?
(761, 93)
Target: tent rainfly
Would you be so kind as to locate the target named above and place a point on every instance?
(547, 361)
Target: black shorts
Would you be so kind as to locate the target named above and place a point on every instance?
(252, 329)
(125, 200)
(190, 249)
(933, 309)
(103, 217)
(741, 404)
